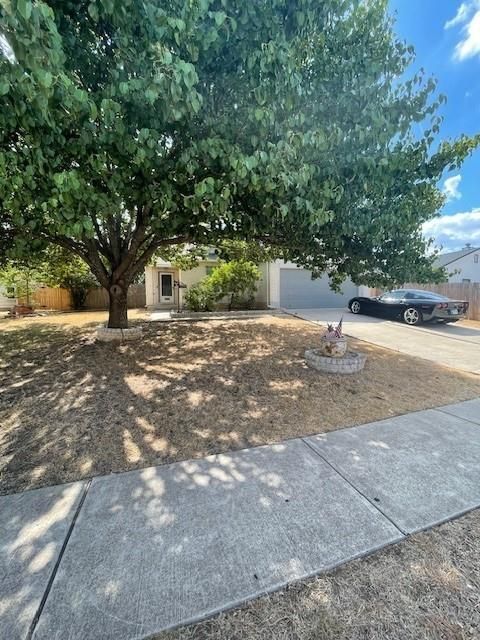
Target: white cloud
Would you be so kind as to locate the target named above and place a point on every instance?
(468, 15)
(455, 231)
(463, 13)
(450, 188)
(470, 45)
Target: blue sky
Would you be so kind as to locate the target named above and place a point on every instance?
(446, 37)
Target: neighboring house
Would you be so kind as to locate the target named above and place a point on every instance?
(281, 284)
(464, 265)
(6, 303)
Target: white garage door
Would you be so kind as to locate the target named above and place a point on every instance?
(299, 291)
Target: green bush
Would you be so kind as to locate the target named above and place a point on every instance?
(200, 297)
(236, 280)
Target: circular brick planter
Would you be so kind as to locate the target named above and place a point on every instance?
(105, 334)
(351, 362)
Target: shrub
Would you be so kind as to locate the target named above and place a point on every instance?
(236, 279)
(200, 297)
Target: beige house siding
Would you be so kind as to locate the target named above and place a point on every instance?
(190, 277)
(152, 287)
(262, 294)
(5, 302)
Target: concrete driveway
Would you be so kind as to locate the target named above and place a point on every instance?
(455, 345)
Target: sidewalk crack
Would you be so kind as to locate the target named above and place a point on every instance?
(51, 579)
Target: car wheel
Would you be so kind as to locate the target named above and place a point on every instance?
(355, 307)
(412, 316)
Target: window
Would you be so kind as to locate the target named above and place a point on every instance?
(427, 295)
(475, 258)
(466, 280)
(209, 270)
(392, 295)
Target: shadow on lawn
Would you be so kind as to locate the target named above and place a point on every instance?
(74, 408)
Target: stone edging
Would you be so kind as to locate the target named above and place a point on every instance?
(106, 334)
(351, 362)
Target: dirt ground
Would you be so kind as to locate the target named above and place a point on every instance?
(426, 588)
(73, 408)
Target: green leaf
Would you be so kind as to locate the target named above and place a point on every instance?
(151, 95)
(45, 78)
(93, 111)
(24, 8)
(219, 17)
(93, 11)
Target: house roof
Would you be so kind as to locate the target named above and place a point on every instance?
(447, 258)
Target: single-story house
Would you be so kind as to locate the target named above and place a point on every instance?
(281, 285)
(6, 302)
(463, 265)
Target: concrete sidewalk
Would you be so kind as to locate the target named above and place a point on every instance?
(125, 556)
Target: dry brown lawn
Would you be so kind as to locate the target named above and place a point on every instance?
(73, 408)
(427, 588)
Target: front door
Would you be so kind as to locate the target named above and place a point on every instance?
(166, 287)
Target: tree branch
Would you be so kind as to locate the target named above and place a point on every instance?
(87, 252)
(146, 256)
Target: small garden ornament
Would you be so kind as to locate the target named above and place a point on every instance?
(333, 343)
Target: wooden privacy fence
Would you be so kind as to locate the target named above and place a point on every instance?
(456, 291)
(52, 298)
(97, 298)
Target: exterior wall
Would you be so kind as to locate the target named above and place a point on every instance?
(190, 277)
(467, 267)
(268, 288)
(261, 296)
(150, 293)
(6, 303)
(152, 287)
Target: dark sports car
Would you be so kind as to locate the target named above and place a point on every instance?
(412, 306)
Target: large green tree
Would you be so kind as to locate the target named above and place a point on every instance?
(131, 125)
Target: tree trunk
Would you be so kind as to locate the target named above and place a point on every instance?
(117, 312)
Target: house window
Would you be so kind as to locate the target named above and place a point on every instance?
(475, 258)
(209, 270)
(466, 280)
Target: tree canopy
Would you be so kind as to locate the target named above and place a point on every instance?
(127, 126)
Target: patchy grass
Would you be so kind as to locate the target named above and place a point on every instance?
(66, 319)
(73, 408)
(426, 588)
